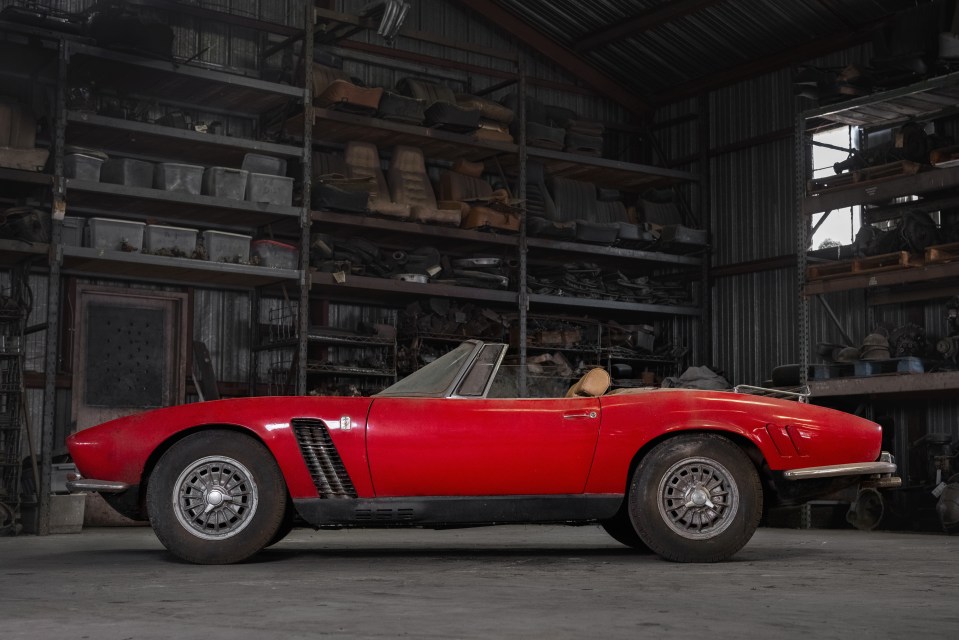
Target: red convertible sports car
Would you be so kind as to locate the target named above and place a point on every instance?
(683, 473)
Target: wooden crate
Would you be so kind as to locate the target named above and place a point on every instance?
(868, 174)
(942, 252)
(870, 264)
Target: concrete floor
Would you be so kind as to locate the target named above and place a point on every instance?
(505, 582)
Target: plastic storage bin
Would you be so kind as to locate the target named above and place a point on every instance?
(73, 231)
(223, 182)
(175, 241)
(80, 166)
(226, 247)
(278, 255)
(128, 172)
(115, 235)
(259, 163)
(171, 176)
(261, 187)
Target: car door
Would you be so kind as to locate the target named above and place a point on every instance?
(481, 447)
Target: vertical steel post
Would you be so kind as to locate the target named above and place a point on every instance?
(305, 218)
(802, 244)
(58, 210)
(523, 292)
(705, 215)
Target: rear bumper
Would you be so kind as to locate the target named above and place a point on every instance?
(880, 471)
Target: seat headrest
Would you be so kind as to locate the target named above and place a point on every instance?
(593, 384)
(362, 154)
(408, 159)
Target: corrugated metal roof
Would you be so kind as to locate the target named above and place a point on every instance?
(711, 38)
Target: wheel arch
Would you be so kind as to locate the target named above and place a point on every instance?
(750, 448)
(169, 442)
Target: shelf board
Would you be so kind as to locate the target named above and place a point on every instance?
(137, 266)
(343, 340)
(158, 204)
(881, 190)
(338, 127)
(346, 370)
(887, 108)
(166, 80)
(377, 229)
(909, 383)
(114, 135)
(607, 252)
(540, 300)
(870, 281)
(604, 172)
(398, 292)
(13, 251)
(388, 290)
(25, 177)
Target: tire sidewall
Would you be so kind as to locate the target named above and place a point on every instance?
(644, 496)
(264, 522)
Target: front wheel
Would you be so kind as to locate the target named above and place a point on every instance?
(695, 498)
(216, 497)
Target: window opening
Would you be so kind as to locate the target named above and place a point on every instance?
(832, 147)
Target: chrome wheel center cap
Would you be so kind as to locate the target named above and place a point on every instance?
(214, 498)
(698, 496)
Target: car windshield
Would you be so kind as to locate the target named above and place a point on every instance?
(435, 378)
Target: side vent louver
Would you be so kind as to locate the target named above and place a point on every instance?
(323, 461)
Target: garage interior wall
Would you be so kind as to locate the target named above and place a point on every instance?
(753, 322)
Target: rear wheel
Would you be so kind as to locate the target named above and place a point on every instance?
(621, 529)
(216, 497)
(695, 498)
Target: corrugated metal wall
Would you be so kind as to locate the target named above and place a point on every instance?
(753, 217)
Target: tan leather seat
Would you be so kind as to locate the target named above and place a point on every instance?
(363, 161)
(593, 384)
(410, 185)
(481, 206)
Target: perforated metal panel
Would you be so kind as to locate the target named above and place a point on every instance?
(128, 344)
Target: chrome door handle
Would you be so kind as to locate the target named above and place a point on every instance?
(577, 416)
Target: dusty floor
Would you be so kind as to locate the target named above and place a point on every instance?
(506, 582)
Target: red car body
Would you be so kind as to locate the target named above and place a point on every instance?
(450, 460)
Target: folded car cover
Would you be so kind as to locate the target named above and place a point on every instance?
(399, 108)
(585, 127)
(341, 195)
(659, 207)
(558, 116)
(586, 145)
(544, 136)
(450, 117)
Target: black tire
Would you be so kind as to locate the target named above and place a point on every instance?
(216, 497)
(621, 529)
(695, 498)
(286, 526)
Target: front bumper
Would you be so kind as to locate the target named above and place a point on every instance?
(78, 484)
(879, 473)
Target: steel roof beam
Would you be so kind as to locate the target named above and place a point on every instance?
(645, 21)
(559, 54)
